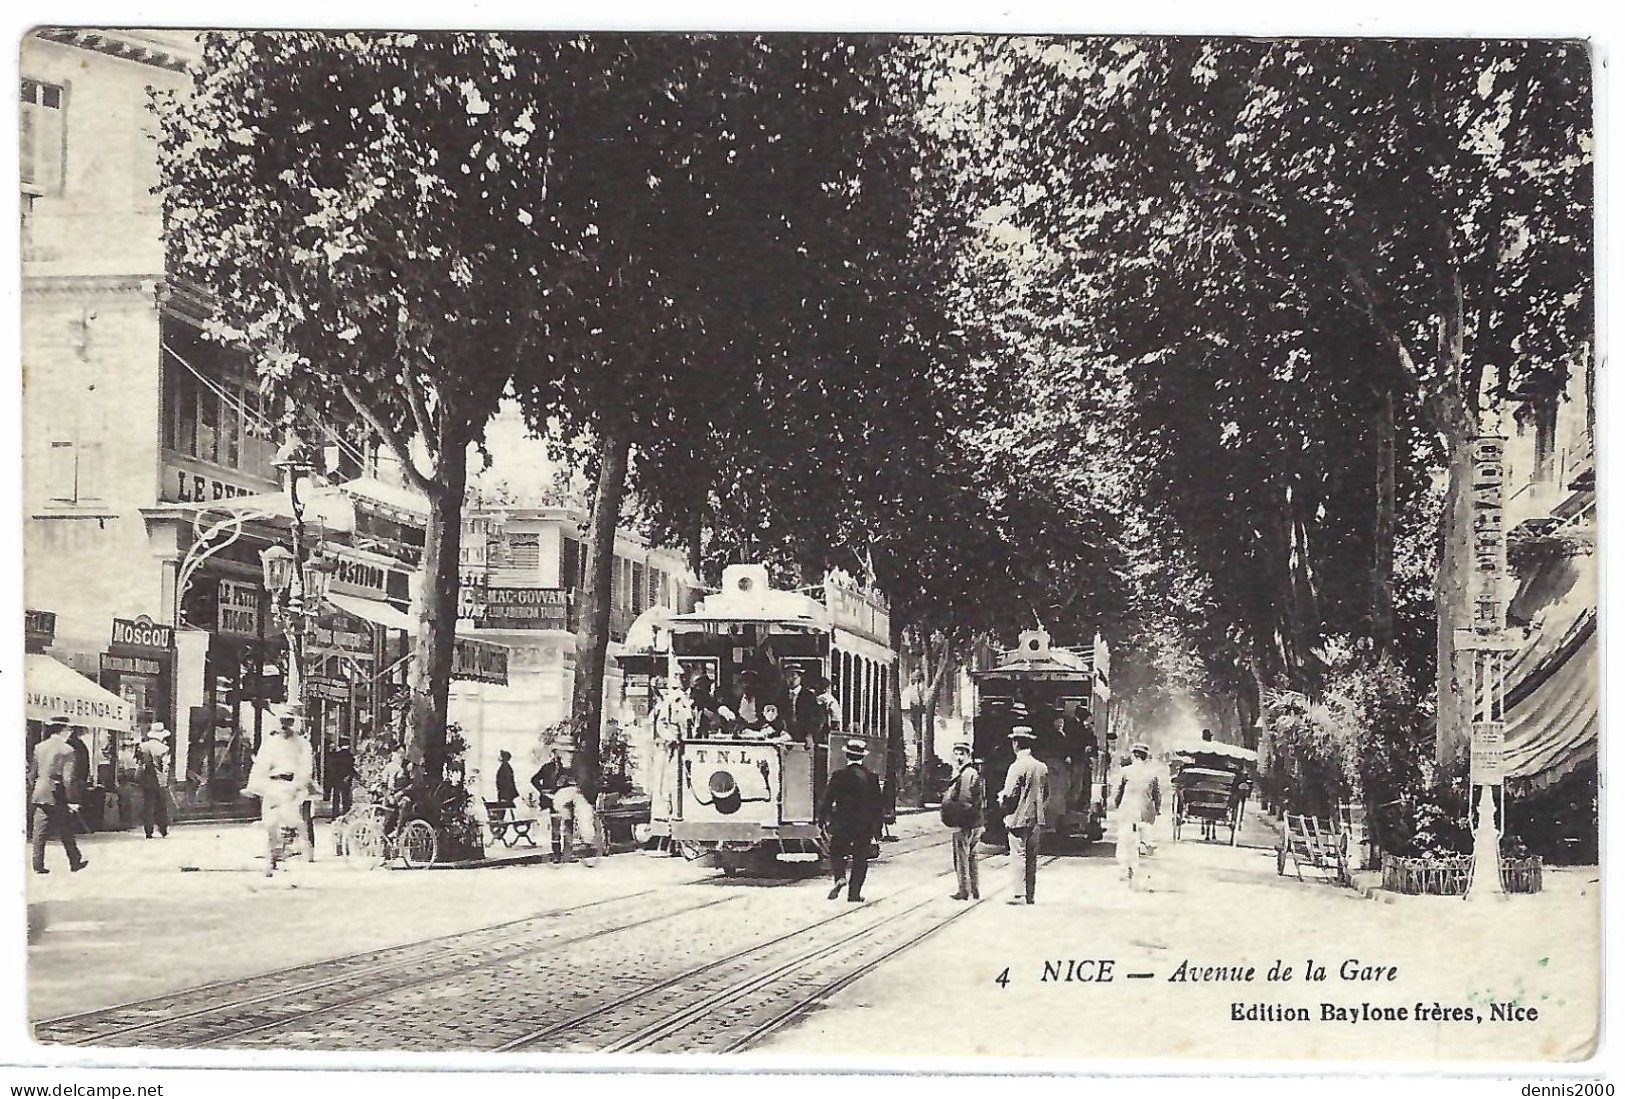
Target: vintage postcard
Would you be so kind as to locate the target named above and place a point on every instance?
(819, 548)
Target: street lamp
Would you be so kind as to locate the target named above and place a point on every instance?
(297, 586)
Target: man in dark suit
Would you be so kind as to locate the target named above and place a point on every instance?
(55, 786)
(805, 717)
(338, 777)
(852, 814)
(507, 789)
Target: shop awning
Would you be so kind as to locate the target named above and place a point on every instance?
(1554, 601)
(375, 611)
(1552, 727)
(55, 690)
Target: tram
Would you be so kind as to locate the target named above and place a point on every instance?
(1063, 695)
(744, 797)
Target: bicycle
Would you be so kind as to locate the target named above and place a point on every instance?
(367, 843)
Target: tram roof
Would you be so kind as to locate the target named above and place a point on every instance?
(1052, 664)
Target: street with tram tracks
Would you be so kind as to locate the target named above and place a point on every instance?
(712, 972)
(655, 955)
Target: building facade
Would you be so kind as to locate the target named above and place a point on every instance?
(522, 579)
(148, 484)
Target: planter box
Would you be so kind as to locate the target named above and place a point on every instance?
(1448, 877)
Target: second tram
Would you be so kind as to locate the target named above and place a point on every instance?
(1063, 696)
(739, 778)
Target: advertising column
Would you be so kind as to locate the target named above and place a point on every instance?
(1488, 642)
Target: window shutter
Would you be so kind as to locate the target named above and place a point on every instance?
(89, 477)
(59, 471)
(41, 132)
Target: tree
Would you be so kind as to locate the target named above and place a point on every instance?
(741, 322)
(1259, 236)
(361, 209)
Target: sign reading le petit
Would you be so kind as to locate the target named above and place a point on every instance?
(239, 609)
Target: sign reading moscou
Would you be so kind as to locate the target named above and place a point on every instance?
(143, 633)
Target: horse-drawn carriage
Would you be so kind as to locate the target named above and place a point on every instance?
(1211, 787)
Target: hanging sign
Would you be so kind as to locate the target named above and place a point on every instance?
(39, 629)
(327, 687)
(359, 576)
(143, 635)
(131, 665)
(479, 662)
(239, 609)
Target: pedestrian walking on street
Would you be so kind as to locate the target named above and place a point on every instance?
(851, 815)
(152, 771)
(1025, 793)
(1137, 804)
(283, 778)
(962, 811)
(55, 787)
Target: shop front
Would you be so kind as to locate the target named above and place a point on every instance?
(52, 689)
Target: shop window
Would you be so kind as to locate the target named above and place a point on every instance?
(43, 148)
(525, 553)
(220, 420)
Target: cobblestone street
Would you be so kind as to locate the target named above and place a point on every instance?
(652, 954)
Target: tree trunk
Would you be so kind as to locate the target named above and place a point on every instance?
(1382, 539)
(896, 752)
(437, 613)
(934, 671)
(1452, 599)
(592, 635)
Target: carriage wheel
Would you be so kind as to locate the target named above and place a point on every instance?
(364, 843)
(418, 845)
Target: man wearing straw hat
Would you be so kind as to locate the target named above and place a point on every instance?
(152, 768)
(283, 778)
(1025, 793)
(851, 815)
(1138, 801)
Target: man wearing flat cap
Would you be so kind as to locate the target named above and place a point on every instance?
(1025, 793)
(962, 812)
(852, 814)
(1138, 801)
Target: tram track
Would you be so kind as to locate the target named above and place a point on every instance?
(476, 990)
(732, 1002)
(235, 997)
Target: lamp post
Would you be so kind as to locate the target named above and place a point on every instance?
(297, 583)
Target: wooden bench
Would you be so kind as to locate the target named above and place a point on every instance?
(507, 826)
(1306, 841)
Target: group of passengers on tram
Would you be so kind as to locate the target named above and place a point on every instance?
(764, 705)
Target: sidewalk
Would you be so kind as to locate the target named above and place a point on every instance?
(225, 846)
